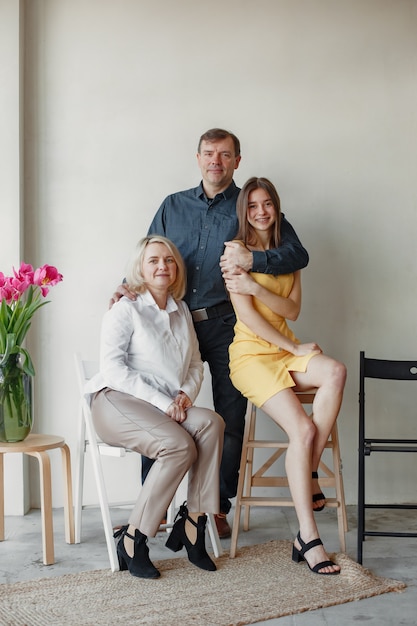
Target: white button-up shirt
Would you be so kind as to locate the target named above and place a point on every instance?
(148, 352)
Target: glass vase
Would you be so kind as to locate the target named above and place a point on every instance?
(16, 416)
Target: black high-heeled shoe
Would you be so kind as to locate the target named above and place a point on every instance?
(197, 553)
(318, 496)
(298, 555)
(139, 564)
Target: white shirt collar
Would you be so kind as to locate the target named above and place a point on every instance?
(148, 300)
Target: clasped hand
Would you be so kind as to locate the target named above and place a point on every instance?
(177, 410)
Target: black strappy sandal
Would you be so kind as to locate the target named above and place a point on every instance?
(298, 555)
(318, 496)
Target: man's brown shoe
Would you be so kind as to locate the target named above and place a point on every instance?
(222, 525)
(162, 525)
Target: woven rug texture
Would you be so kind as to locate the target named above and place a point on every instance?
(261, 583)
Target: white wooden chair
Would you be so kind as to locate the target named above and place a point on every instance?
(89, 442)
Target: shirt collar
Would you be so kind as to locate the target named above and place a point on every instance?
(148, 300)
(227, 193)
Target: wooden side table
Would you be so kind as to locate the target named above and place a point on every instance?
(38, 446)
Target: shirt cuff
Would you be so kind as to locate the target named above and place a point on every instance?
(162, 403)
(259, 263)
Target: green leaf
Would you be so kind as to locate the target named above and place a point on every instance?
(27, 365)
(10, 344)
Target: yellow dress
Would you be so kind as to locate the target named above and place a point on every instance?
(259, 369)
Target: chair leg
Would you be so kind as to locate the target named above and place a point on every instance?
(235, 529)
(249, 455)
(243, 474)
(68, 505)
(361, 506)
(102, 495)
(214, 535)
(340, 492)
(79, 479)
(46, 506)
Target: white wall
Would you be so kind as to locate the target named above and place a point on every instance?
(323, 96)
(16, 488)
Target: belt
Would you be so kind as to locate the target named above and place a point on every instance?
(200, 315)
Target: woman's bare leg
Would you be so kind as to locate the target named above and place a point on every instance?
(285, 409)
(329, 377)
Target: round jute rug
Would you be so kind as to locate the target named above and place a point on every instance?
(261, 583)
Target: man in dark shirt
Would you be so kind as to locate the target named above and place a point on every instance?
(199, 221)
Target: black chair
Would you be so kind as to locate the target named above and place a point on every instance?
(383, 370)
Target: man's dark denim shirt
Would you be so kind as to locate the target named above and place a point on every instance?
(199, 227)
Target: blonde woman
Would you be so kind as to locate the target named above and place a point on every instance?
(142, 399)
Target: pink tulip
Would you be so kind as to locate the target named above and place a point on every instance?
(6, 289)
(19, 285)
(20, 298)
(25, 273)
(45, 277)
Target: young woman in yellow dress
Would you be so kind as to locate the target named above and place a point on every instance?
(268, 363)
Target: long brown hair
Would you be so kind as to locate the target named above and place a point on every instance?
(246, 232)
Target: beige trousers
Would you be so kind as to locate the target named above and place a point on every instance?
(195, 446)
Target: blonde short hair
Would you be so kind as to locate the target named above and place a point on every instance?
(134, 275)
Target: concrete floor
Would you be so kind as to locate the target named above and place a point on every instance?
(21, 557)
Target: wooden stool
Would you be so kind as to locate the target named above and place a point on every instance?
(249, 478)
(37, 446)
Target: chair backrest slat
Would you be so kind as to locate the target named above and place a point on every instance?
(389, 370)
